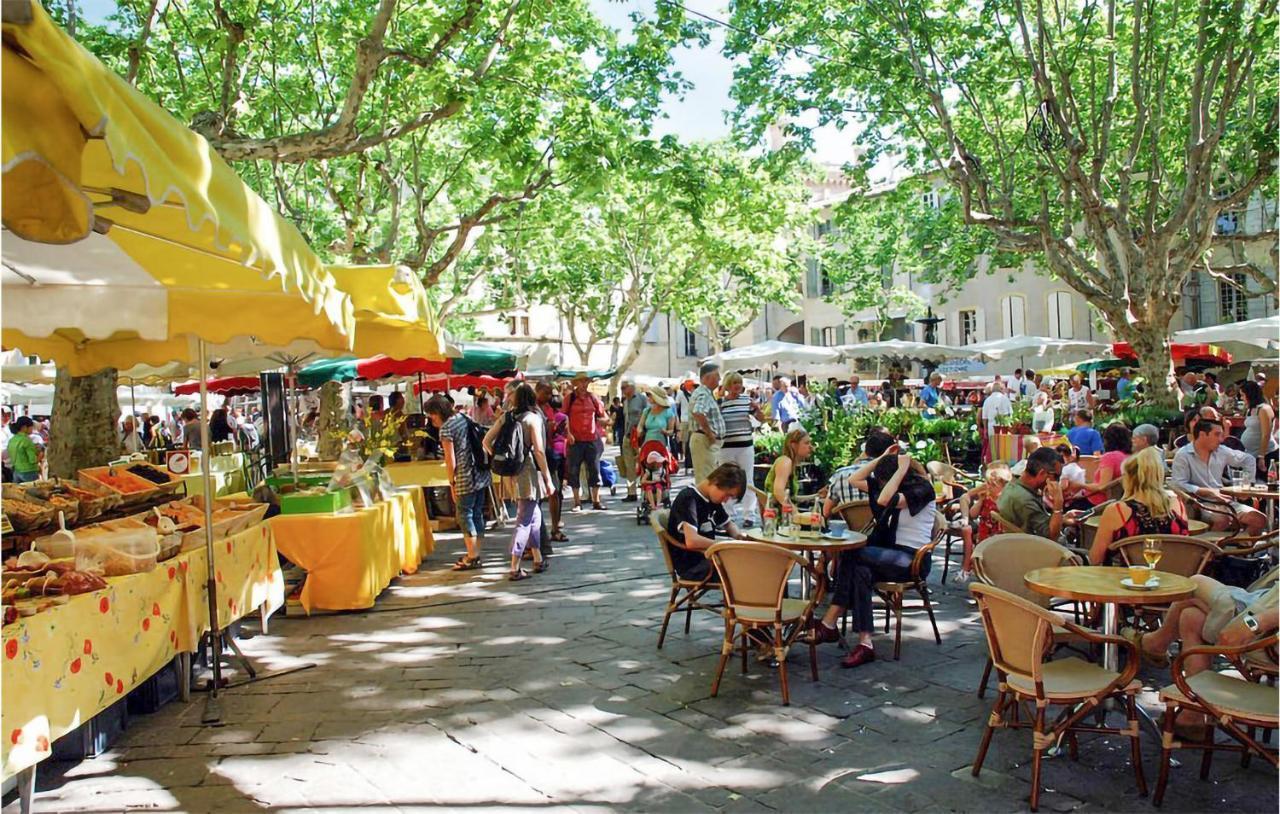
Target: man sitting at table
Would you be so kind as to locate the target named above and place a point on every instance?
(1199, 467)
(1022, 502)
(698, 518)
(903, 502)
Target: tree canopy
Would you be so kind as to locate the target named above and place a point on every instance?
(1101, 139)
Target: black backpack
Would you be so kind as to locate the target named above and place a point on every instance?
(510, 447)
(475, 440)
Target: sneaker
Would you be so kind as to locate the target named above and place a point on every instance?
(858, 656)
(577, 509)
(821, 634)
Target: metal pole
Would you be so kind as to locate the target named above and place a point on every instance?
(212, 709)
(292, 423)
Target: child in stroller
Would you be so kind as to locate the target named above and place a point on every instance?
(654, 467)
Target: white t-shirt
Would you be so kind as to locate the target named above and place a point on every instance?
(1042, 419)
(997, 404)
(1073, 472)
(915, 531)
(1077, 400)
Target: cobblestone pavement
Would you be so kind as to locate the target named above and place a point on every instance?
(467, 692)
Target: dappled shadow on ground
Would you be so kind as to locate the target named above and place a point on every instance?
(465, 691)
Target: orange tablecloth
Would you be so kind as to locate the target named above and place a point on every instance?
(69, 663)
(351, 558)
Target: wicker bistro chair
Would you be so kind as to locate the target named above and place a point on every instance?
(753, 577)
(1237, 706)
(893, 594)
(856, 515)
(686, 594)
(1006, 526)
(956, 481)
(1181, 555)
(1019, 633)
(952, 533)
(1004, 559)
(1201, 508)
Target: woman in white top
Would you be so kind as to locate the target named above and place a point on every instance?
(1258, 437)
(1041, 412)
(1078, 396)
(1073, 474)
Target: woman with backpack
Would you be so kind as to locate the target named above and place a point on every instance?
(517, 449)
(468, 476)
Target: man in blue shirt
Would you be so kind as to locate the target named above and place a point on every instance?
(784, 405)
(855, 396)
(931, 395)
(1124, 387)
(1083, 436)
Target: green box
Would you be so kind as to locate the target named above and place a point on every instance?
(327, 503)
(278, 481)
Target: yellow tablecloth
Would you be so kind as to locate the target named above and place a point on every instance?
(67, 664)
(350, 558)
(418, 473)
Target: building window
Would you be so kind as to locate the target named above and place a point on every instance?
(689, 343)
(825, 228)
(518, 325)
(654, 334)
(931, 199)
(1013, 310)
(1061, 316)
(1233, 300)
(824, 283)
(1228, 223)
(968, 326)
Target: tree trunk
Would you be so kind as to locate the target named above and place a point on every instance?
(83, 424)
(1151, 344)
(332, 422)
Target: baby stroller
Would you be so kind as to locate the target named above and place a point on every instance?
(654, 467)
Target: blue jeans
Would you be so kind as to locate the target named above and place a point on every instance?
(25, 477)
(470, 511)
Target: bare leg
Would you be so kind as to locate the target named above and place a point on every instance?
(1158, 641)
(966, 534)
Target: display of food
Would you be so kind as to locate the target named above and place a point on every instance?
(117, 547)
(26, 514)
(33, 582)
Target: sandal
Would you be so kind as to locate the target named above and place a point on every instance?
(465, 564)
(516, 576)
(541, 566)
(1134, 635)
(558, 537)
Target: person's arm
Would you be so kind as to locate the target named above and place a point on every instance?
(1180, 478)
(491, 436)
(731, 529)
(1236, 632)
(859, 479)
(1053, 494)
(756, 412)
(971, 501)
(1108, 524)
(704, 426)
(889, 494)
(539, 454)
(671, 426)
(1101, 478)
(450, 463)
(1243, 460)
(782, 477)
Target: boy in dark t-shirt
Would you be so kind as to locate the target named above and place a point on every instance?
(698, 518)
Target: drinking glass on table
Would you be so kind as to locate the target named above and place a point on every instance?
(1151, 552)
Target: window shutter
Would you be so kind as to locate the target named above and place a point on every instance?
(1061, 315)
(814, 281)
(840, 335)
(815, 336)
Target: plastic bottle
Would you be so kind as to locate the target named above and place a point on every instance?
(770, 522)
(1273, 475)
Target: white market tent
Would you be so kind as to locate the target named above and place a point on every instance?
(1036, 347)
(904, 350)
(1240, 339)
(783, 356)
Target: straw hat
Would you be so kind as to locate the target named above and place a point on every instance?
(580, 377)
(659, 396)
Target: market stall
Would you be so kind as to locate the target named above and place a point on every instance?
(351, 557)
(66, 664)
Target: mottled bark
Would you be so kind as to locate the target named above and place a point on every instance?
(83, 424)
(332, 421)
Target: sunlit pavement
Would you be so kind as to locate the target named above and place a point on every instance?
(467, 692)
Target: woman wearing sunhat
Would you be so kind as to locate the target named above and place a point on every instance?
(658, 421)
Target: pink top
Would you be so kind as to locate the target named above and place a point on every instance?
(1109, 462)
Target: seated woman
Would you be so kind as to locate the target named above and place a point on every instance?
(782, 483)
(978, 507)
(903, 501)
(1146, 507)
(1117, 445)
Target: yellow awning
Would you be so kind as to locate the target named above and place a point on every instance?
(128, 237)
(393, 316)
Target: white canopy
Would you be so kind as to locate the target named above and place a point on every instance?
(1037, 347)
(907, 351)
(1240, 339)
(785, 356)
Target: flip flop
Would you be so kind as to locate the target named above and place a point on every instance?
(466, 565)
(518, 575)
(558, 537)
(542, 566)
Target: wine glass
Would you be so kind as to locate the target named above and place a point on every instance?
(1151, 551)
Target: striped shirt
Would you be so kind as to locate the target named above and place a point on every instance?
(737, 422)
(703, 402)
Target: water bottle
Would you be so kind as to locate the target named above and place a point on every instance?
(1273, 475)
(770, 522)
(785, 527)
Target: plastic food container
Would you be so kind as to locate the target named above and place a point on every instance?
(117, 553)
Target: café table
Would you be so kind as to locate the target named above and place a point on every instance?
(1102, 584)
(1260, 492)
(819, 549)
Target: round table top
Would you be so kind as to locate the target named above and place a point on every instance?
(1100, 583)
(1194, 527)
(851, 539)
(1257, 492)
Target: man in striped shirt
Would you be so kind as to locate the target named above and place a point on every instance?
(706, 423)
(739, 443)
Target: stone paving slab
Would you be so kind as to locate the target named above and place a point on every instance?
(468, 692)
